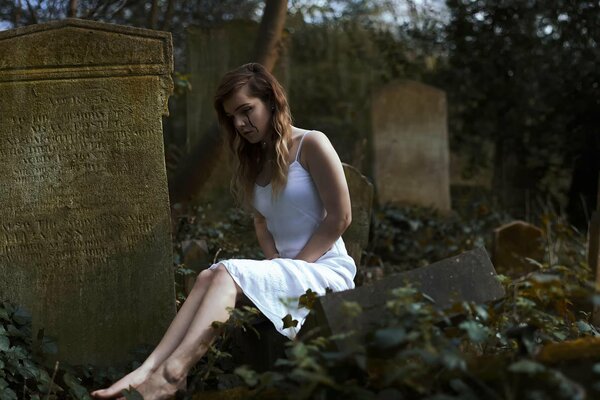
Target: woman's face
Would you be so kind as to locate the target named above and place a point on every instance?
(250, 116)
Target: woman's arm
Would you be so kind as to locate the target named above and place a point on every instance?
(265, 239)
(325, 168)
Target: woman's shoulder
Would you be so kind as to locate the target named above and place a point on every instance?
(315, 145)
(314, 139)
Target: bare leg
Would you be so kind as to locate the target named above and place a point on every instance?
(168, 343)
(168, 378)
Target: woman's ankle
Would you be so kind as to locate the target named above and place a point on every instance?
(174, 371)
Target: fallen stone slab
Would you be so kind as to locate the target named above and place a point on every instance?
(467, 277)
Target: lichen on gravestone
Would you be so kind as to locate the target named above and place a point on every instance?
(85, 240)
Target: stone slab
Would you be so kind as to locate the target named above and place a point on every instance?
(410, 141)
(85, 241)
(467, 277)
(356, 236)
(512, 244)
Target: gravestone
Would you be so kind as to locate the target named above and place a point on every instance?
(467, 277)
(356, 236)
(410, 140)
(85, 240)
(512, 244)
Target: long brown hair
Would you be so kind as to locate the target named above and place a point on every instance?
(249, 158)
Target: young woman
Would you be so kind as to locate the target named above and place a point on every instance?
(292, 179)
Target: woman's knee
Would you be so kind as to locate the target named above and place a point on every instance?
(223, 279)
(204, 278)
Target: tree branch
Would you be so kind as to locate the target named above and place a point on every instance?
(17, 13)
(166, 25)
(72, 11)
(32, 13)
(269, 33)
(153, 16)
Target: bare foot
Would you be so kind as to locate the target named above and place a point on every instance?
(162, 385)
(133, 379)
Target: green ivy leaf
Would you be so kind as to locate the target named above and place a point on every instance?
(351, 309)
(131, 394)
(453, 360)
(21, 316)
(4, 343)
(526, 367)
(75, 388)
(476, 332)
(4, 314)
(249, 376)
(307, 300)
(288, 322)
(8, 394)
(389, 337)
(584, 326)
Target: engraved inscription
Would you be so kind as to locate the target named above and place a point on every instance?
(75, 161)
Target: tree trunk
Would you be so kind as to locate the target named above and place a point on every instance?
(17, 14)
(32, 13)
(166, 25)
(269, 33)
(196, 167)
(153, 17)
(72, 11)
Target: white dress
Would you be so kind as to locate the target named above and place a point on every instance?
(274, 286)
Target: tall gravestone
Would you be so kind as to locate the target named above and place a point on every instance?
(356, 236)
(513, 244)
(85, 240)
(410, 140)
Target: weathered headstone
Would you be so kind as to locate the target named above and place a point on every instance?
(467, 277)
(85, 240)
(356, 236)
(410, 139)
(513, 244)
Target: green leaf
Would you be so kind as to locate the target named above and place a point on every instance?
(8, 394)
(453, 360)
(131, 394)
(21, 316)
(476, 332)
(584, 326)
(4, 343)
(249, 376)
(288, 322)
(389, 337)
(49, 346)
(526, 367)
(307, 300)
(351, 309)
(75, 388)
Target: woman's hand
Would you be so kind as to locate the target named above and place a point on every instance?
(265, 239)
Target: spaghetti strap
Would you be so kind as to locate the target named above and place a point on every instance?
(300, 145)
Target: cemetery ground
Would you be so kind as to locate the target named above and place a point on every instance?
(537, 342)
